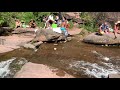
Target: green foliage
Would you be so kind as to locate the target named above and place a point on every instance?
(8, 18)
(71, 24)
(90, 24)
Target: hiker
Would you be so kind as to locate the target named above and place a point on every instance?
(57, 20)
(104, 28)
(32, 23)
(17, 23)
(55, 28)
(45, 21)
(64, 28)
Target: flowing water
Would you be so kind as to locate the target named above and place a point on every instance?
(75, 57)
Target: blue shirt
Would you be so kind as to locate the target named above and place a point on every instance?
(104, 27)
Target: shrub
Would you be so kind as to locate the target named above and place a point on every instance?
(90, 22)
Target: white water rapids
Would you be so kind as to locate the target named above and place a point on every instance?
(95, 70)
(4, 67)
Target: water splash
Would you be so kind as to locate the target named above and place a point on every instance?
(93, 69)
(4, 67)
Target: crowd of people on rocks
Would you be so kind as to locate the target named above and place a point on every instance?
(58, 24)
(18, 24)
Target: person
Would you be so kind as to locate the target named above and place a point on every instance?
(117, 28)
(45, 21)
(104, 28)
(17, 23)
(57, 20)
(64, 29)
(32, 24)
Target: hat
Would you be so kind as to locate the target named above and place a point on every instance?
(117, 22)
(22, 21)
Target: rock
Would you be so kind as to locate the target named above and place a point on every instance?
(114, 76)
(5, 31)
(29, 45)
(16, 65)
(102, 39)
(69, 38)
(32, 70)
(84, 32)
(37, 43)
(49, 34)
(23, 30)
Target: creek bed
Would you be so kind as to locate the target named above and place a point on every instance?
(75, 57)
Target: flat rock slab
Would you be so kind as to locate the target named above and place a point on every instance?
(114, 76)
(32, 70)
(23, 30)
(102, 39)
(10, 43)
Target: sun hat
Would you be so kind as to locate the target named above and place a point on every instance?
(117, 22)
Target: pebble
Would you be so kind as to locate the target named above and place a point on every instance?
(106, 58)
(106, 45)
(55, 44)
(55, 48)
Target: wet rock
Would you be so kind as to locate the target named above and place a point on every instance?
(69, 38)
(16, 65)
(29, 45)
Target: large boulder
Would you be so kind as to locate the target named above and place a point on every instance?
(74, 16)
(102, 39)
(49, 35)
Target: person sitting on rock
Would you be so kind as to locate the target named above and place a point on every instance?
(117, 27)
(104, 28)
(17, 23)
(32, 24)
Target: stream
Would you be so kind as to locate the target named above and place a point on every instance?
(75, 57)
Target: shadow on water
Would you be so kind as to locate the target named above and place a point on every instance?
(75, 57)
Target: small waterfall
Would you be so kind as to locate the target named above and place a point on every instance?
(9, 67)
(4, 67)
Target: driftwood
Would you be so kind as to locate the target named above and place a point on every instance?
(94, 38)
